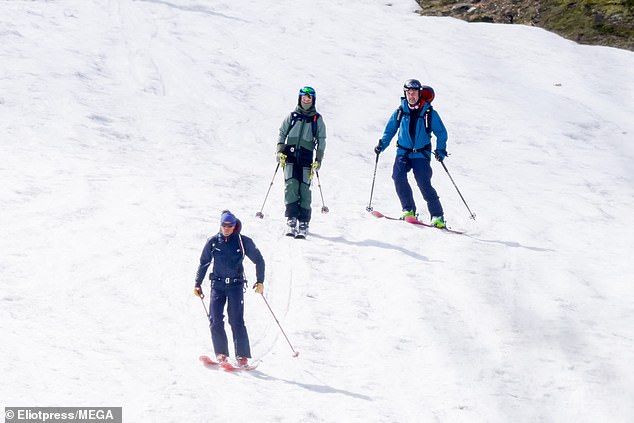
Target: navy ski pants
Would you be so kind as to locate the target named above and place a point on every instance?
(234, 298)
(421, 168)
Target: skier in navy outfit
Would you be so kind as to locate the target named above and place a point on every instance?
(415, 120)
(227, 250)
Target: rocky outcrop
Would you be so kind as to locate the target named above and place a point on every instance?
(599, 22)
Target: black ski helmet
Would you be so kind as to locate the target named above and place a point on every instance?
(307, 91)
(412, 84)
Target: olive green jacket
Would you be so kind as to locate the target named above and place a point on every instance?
(301, 134)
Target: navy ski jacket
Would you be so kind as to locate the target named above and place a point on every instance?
(227, 254)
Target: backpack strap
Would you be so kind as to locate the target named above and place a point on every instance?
(313, 124)
(426, 120)
(241, 246)
(426, 116)
(427, 148)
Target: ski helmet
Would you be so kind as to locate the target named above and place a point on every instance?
(412, 84)
(307, 91)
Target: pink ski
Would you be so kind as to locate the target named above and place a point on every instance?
(226, 365)
(414, 221)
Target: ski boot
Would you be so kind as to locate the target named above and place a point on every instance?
(302, 231)
(291, 229)
(438, 221)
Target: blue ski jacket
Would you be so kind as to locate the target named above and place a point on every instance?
(227, 255)
(422, 140)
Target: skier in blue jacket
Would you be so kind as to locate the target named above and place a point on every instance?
(227, 250)
(415, 120)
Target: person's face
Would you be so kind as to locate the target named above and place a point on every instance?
(412, 95)
(307, 100)
(227, 228)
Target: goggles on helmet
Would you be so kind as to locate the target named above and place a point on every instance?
(307, 91)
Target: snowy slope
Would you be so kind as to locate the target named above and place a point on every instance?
(126, 126)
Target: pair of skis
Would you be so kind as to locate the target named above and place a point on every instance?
(225, 365)
(414, 221)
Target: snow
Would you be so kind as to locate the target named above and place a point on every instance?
(127, 126)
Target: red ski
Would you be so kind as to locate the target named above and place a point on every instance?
(414, 221)
(233, 368)
(226, 365)
(208, 361)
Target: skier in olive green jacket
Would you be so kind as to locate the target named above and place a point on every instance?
(302, 132)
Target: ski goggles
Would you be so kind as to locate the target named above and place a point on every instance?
(228, 225)
(307, 91)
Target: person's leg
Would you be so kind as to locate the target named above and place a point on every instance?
(403, 190)
(291, 190)
(235, 310)
(216, 321)
(305, 196)
(422, 174)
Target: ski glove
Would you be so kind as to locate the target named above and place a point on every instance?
(198, 291)
(316, 166)
(377, 149)
(280, 158)
(259, 288)
(440, 155)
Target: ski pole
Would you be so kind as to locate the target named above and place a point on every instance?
(376, 163)
(295, 353)
(324, 209)
(204, 306)
(260, 214)
(206, 313)
(473, 216)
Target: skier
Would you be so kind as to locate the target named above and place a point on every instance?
(414, 120)
(301, 132)
(227, 250)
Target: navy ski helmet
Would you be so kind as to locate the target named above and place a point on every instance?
(307, 91)
(412, 84)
